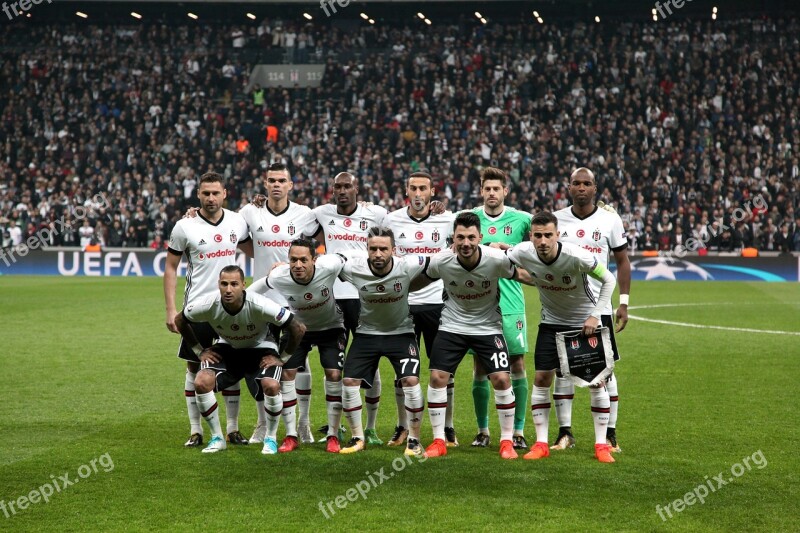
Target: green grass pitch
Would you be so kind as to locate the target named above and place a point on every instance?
(89, 372)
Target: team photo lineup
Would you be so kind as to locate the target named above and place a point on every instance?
(339, 264)
(389, 281)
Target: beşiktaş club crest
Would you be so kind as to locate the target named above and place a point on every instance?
(566, 279)
(485, 283)
(596, 235)
(507, 229)
(398, 287)
(519, 324)
(498, 342)
(435, 236)
(291, 229)
(593, 342)
(234, 238)
(325, 292)
(251, 327)
(363, 225)
(412, 350)
(575, 344)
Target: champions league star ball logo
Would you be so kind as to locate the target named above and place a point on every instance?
(668, 268)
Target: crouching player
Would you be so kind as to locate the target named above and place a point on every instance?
(307, 284)
(560, 272)
(245, 349)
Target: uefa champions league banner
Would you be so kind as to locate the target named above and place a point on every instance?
(785, 267)
(127, 262)
(114, 262)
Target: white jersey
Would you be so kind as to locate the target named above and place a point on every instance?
(425, 236)
(249, 328)
(208, 248)
(312, 302)
(600, 233)
(347, 232)
(564, 291)
(472, 297)
(384, 300)
(273, 233)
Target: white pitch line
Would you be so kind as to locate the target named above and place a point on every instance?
(701, 326)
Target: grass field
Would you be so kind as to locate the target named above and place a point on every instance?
(90, 374)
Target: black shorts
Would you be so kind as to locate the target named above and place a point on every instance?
(238, 363)
(205, 335)
(449, 349)
(608, 322)
(426, 324)
(331, 344)
(366, 351)
(351, 309)
(546, 354)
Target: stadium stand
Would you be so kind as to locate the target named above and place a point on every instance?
(683, 123)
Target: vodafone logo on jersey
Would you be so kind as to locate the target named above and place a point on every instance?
(419, 235)
(347, 223)
(358, 238)
(216, 254)
(276, 229)
(419, 250)
(492, 230)
(217, 238)
(276, 243)
(580, 233)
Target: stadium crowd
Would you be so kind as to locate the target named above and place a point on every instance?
(682, 121)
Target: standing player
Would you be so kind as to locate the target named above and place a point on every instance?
(385, 329)
(245, 348)
(344, 226)
(209, 242)
(505, 225)
(273, 228)
(471, 320)
(560, 272)
(599, 230)
(307, 285)
(418, 231)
